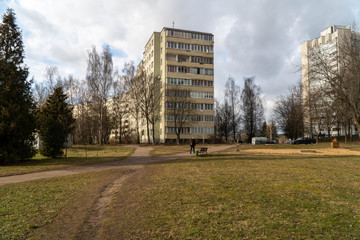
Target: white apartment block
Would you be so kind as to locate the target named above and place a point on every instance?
(312, 52)
(183, 60)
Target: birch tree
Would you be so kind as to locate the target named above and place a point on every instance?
(232, 97)
(99, 79)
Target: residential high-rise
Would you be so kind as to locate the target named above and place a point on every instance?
(183, 61)
(322, 63)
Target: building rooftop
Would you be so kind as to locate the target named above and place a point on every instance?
(184, 30)
(333, 29)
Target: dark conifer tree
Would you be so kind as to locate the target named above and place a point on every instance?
(55, 123)
(17, 121)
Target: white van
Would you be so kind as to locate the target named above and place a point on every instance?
(259, 140)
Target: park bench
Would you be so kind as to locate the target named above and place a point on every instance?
(203, 150)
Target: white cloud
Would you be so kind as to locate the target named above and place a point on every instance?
(259, 38)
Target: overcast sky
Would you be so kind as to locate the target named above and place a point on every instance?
(258, 38)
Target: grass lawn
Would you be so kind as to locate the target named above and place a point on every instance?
(240, 196)
(57, 205)
(77, 155)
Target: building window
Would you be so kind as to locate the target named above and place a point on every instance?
(171, 68)
(182, 69)
(169, 105)
(192, 47)
(202, 95)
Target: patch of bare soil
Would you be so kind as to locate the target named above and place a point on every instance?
(85, 217)
(92, 223)
(73, 219)
(323, 151)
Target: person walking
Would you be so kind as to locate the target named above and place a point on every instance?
(192, 145)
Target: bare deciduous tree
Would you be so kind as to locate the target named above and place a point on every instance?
(140, 92)
(178, 109)
(288, 112)
(43, 89)
(252, 107)
(232, 98)
(223, 120)
(338, 73)
(99, 79)
(155, 105)
(129, 84)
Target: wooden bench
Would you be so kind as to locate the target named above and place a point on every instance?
(203, 150)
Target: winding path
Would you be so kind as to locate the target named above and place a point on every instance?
(138, 159)
(89, 229)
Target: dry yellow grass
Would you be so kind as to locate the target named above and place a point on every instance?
(307, 151)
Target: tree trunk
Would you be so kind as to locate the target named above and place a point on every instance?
(147, 130)
(116, 129)
(345, 128)
(153, 133)
(101, 125)
(120, 131)
(137, 131)
(178, 136)
(357, 126)
(350, 131)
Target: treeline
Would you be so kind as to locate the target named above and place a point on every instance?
(240, 116)
(59, 107)
(19, 116)
(106, 99)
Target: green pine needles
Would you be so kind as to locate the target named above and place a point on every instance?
(17, 120)
(55, 124)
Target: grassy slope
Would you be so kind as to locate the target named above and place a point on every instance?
(234, 196)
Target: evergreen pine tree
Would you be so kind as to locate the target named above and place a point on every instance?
(17, 121)
(55, 123)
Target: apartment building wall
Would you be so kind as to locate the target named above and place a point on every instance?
(124, 124)
(181, 60)
(326, 48)
(150, 64)
(186, 61)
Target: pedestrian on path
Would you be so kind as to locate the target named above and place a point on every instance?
(192, 145)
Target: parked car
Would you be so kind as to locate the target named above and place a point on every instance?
(303, 141)
(271, 141)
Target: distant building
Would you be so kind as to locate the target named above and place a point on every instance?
(38, 143)
(124, 125)
(184, 62)
(326, 47)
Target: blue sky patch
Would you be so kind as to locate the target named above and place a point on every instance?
(118, 52)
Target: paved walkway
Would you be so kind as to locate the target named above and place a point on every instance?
(138, 159)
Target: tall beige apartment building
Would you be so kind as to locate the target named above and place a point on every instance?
(183, 61)
(321, 50)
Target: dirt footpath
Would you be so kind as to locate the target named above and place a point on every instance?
(88, 228)
(138, 159)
